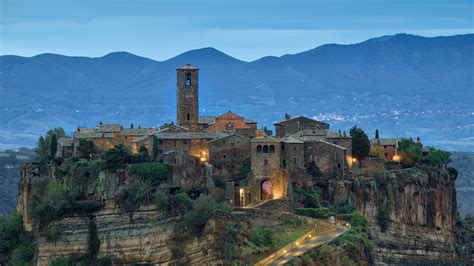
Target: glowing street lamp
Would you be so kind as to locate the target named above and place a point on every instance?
(396, 157)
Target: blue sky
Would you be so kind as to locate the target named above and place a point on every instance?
(245, 29)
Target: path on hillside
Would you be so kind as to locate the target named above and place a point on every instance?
(317, 240)
(322, 233)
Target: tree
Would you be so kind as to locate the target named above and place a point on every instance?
(116, 158)
(44, 151)
(360, 143)
(410, 153)
(377, 134)
(203, 209)
(86, 149)
(439, 157)
(53, 145)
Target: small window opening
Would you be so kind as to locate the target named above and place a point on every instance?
(189, 117)
(272, 149)
(187, 79)
(259, 149)
(265, 149)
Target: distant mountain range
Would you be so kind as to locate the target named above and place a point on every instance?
(404, 85)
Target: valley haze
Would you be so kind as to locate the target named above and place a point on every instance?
(404, 85)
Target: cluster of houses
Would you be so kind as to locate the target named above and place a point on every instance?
(227, 144)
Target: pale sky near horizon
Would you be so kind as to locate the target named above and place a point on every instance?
(245, 29)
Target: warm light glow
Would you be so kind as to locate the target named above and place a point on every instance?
(203, 159)
(309, 236)
(241, 191)
(396, 158)
(204, 153)
(284, 251)
(297, 243)
(354, 159)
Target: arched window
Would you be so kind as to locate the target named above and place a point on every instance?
(259, 149)
(187, 79)
(265, 148)
(272, 149)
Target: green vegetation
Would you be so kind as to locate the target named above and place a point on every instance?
(202, 210)
(320, 213)
(383, 219)
(47, 145)
(133, 195)
(86, 149)
(411, 154)
(152, 173)
(116, 158)
(360, 143)
(231, 241)
(173, 204)
(16, 245)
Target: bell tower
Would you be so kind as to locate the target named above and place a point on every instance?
(187, 97)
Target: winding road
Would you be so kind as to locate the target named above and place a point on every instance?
(315, 241)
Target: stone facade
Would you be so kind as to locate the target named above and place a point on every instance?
(187, 97)
(292, 125)
(328, 157)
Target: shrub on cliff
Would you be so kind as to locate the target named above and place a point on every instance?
(262, 237)
(133, 195)
(383, 219)
(116, 158)
(174, 204)
(154, 173)
(320, 213)
(202, 210)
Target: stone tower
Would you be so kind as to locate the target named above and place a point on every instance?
(187, 97)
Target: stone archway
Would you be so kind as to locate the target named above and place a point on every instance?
(266, 190)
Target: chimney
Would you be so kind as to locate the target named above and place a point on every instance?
(287, 116)
(131, 125)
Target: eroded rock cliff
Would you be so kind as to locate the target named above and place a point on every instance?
(420, 207)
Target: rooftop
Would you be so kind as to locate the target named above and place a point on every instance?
(189, 67)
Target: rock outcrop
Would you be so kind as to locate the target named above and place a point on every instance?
(421, 207)
(149, 237)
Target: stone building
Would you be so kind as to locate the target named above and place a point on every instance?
(292, 125)
(187, 97)
(387, 147)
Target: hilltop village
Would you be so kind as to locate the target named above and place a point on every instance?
(227, 142)
(220, 190)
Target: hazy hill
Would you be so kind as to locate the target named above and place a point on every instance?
(401, 84)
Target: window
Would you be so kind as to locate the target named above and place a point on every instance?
(338, 165)
(283, 163)
(294, 160)
(174, 143)
(185, 141)
(282, 146)
(294, 148)
(334, 141)
(160, 142)
(265, 162)
(187, 79)
(224, 156)
(189, 117)
(272, 149)
(259, 149)
(384, 146)
(265, 148)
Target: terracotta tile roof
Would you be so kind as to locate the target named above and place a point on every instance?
(108, 128)
(92, 135)
(386, 141)
(190, 135)
(233, 134)
(136, 131)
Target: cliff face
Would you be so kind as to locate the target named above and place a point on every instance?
(149, 237)
(421, 213)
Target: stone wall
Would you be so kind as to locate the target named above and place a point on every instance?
(328, 157)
